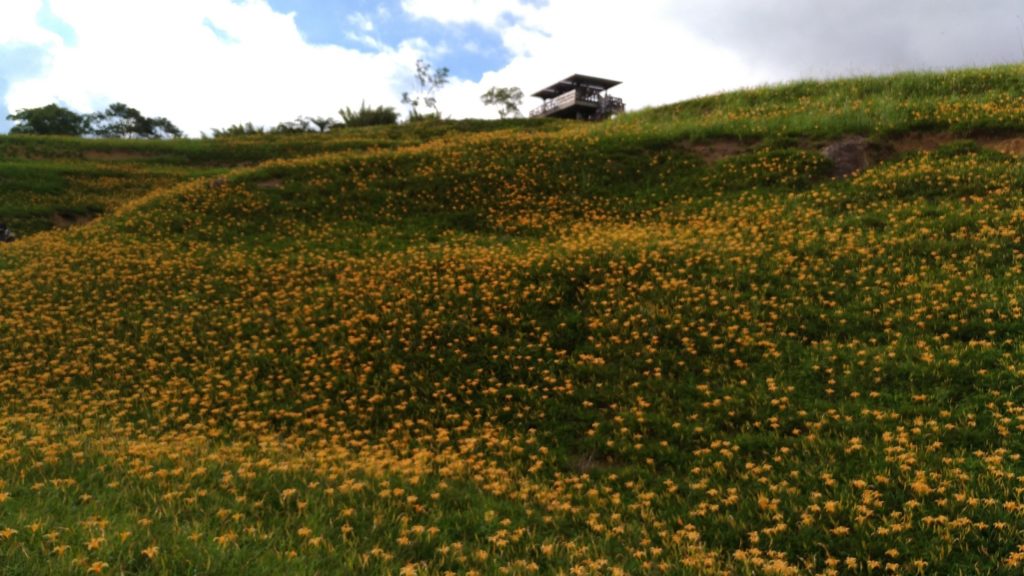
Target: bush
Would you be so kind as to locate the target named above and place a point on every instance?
(238, 130)
(365, 116)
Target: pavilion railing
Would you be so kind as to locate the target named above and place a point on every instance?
(567, 100)
(606, 105)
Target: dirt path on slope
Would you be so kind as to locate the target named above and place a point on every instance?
(853, 153)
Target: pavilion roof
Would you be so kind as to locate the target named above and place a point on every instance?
(573, 82)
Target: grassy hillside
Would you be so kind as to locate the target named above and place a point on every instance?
(56, 182)
(673, 343)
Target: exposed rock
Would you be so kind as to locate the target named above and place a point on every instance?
(5, 234)
(851, 154)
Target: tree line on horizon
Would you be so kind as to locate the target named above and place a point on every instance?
(364, 116)
(122, 121)
(118, 120)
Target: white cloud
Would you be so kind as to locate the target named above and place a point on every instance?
(487, 13)
(18, 25)
(166, 59)
(211, 63)
(665, 50)
(361, 21)
(801, 38)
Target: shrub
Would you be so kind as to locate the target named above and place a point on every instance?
(365, 116)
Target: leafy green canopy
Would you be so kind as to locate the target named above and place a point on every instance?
(117, 121)
(122, 121)
(49, 120)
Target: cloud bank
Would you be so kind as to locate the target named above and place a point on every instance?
(211, 63)
(667, 50)
(201, 63)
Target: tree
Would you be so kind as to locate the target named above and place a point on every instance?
(508, 98)
(122, 121)
(161, 127)
(428, 82)
(297, 126)
(368, 116)
(117, 121)
(322, 124)
(49, 120)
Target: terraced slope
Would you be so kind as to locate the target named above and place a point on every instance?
(669, 344)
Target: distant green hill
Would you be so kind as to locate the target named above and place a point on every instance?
(690, 340)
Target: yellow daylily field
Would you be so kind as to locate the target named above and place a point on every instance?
(676, 342)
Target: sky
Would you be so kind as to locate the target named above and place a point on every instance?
(208, 64)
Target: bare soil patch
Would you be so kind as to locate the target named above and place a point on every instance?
(853, 153)
(718, 150)
(927, 142)
(275, 184)
(114, 155)
(922, 142)
(1005, 144)
(68, 219)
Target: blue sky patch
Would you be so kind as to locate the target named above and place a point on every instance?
(17, 63)
(220, 34)
(48, 20)
(5, 124)
(366, 25)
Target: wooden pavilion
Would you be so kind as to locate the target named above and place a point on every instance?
(579, 97)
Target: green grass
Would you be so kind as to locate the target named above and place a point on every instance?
(525, 348)
(45, 179)
(970, 101)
